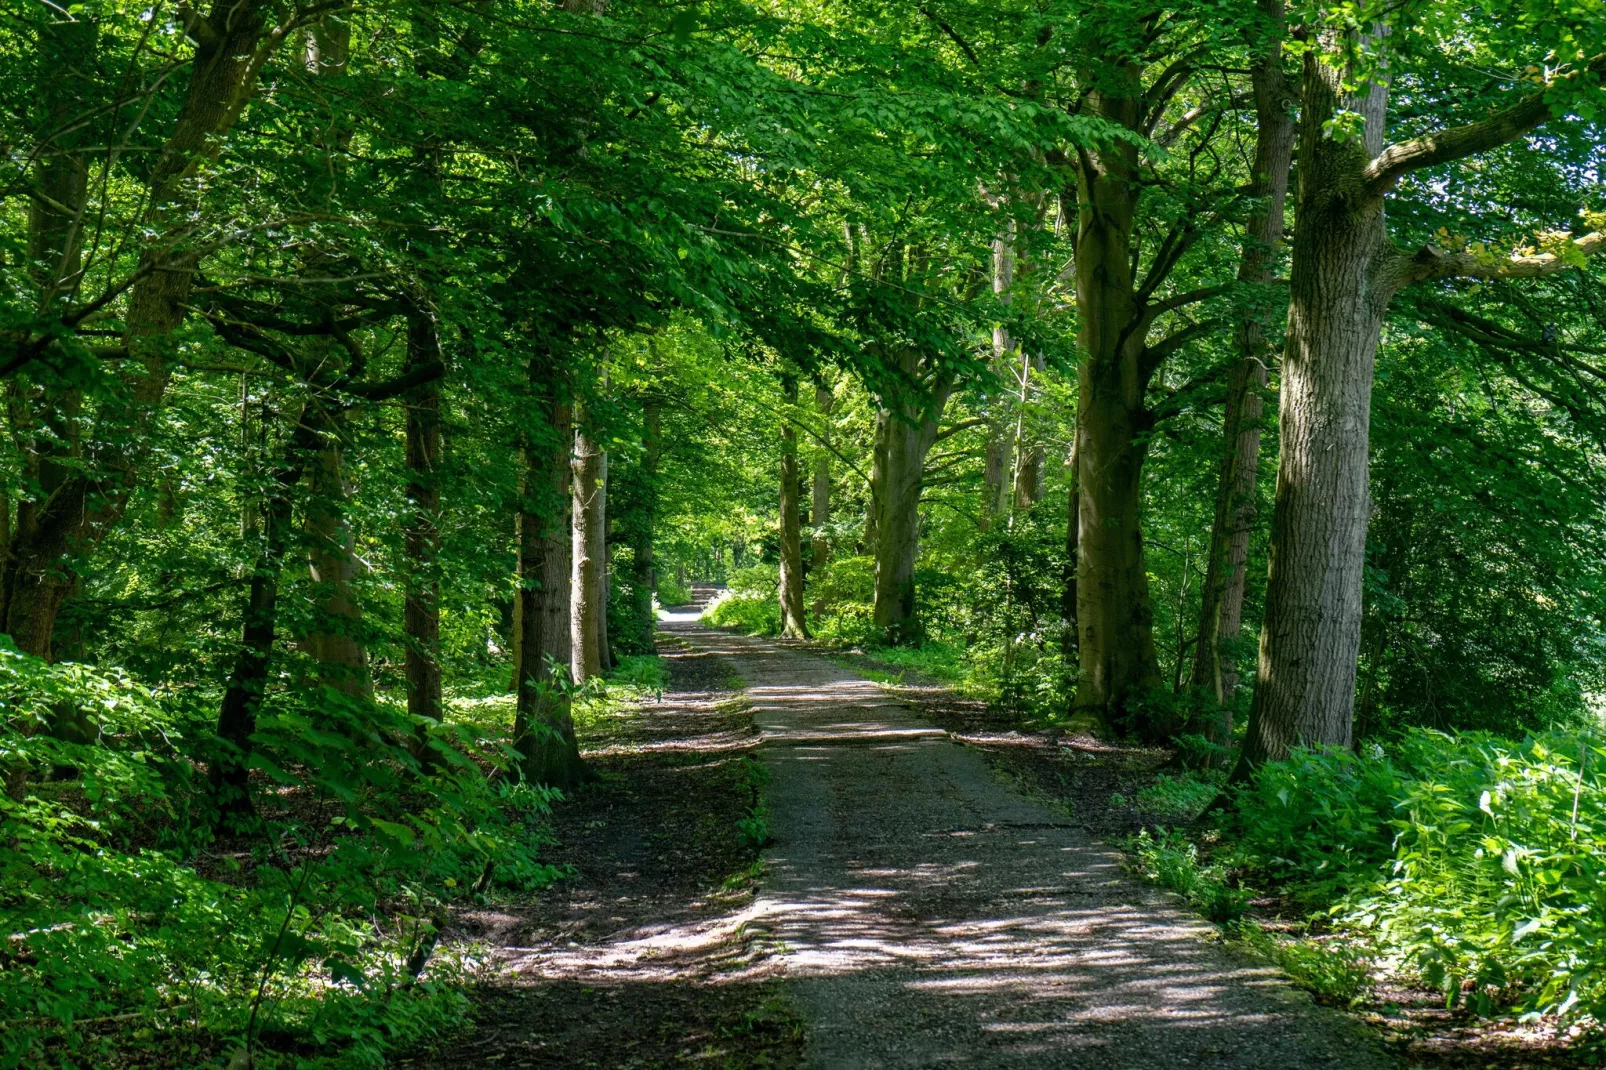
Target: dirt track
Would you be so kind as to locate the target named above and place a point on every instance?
(922, 914)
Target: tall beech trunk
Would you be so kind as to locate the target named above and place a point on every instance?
(590, 550)
(543, 728)
(1119, 668)
(794, 624)
(604, 648)
(334, 639)
(906, 429)
(1215, 669)
(1073, 533)
(820, 489)
(645, 521)
(248, 681)
(421, 613)
(231, 45)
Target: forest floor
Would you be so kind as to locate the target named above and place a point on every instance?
(935, 893)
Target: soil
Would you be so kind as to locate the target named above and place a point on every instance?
(637, 959)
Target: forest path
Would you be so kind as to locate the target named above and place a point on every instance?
(925, 914)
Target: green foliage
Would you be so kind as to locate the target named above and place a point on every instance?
(1334, 970)
(671, 593)
(121, 907)
(1472, 860)
(753, 829)
(751, 603)
(1168, 858)
(1184, 795)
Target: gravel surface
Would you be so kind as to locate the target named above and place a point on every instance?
(924, 914)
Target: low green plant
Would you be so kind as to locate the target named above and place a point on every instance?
(1471, 861)
(1334, 970)
(751, 612)
(1181, 795)
(753, 829)
(1168, 858)
(671, 593)
(129, 923)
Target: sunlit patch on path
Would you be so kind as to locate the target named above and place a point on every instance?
(924, 914)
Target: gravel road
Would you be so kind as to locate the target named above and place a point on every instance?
(926, 915)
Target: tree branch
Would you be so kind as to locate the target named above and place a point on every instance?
(1469, 139)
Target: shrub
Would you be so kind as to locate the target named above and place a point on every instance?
(750, 604)
(125, 920)
(671, 593)
(1474, 861)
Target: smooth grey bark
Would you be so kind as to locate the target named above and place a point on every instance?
(906, 429)
(1220, 631)
(589, 553)
(794, 623)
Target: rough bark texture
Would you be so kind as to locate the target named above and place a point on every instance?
(906, 429)
(543, 729)
(1309, 641)
(794, 624)
(590, 551)
(1215, 670)
(421, 614)
(1119, 668)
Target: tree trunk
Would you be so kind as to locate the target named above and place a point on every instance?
(589, 554)
(334, 640)
(794, 624)
(820, 511)
(1309, 642)
(248, 682)
(1073, 531)
(605, 596)
(906, 429)
(421, 614)
(1215, 669)
(543, 729)
(1119, 668)
(645, 521)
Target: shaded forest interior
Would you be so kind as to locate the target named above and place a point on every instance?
(1207, 399)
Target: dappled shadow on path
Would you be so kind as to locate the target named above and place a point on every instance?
(926, 915)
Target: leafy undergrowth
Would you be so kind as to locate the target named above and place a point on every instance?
(143, 927)
(1467, 869)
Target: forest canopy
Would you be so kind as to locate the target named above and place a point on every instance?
(1223, 377)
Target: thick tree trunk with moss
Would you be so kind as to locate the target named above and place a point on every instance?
(421, 615)
(1215, 669)
(794, 624)
(543, 729)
